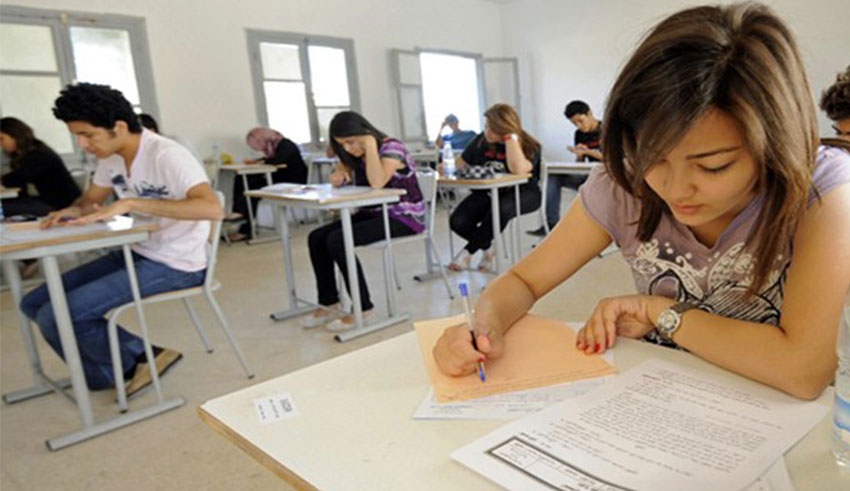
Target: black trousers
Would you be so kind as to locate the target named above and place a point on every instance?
(472, 218)
(255, 181)
(327, 248)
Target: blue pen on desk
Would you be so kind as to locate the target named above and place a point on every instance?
(464, 293)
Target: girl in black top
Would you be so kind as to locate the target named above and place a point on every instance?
(276, 149)
(508, 149)
(35, 163)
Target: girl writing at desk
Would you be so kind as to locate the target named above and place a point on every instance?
(735, 223)
(276, 150)
(368, 157)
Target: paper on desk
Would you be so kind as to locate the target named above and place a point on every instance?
(539, 352)
(658, 426)
(509, 405)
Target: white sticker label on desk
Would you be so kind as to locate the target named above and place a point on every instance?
(275, 408)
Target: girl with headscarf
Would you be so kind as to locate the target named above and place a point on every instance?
(276, 150)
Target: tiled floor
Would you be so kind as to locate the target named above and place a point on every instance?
(175, 450)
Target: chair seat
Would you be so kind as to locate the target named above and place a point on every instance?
(175, 294)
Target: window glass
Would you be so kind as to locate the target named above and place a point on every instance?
(325, 116)
(280, 61)
(409, 69)
(300, 105)
(328, 76)
(27, 47)
(103, 56)
(30, 99)
(286, 106)
(457, 94)
(411, 110)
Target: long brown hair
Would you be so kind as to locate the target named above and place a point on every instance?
(25, 140)
(743, 60)
(503, 119)
(350, 123)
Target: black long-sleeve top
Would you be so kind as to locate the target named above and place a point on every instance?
(45, 170)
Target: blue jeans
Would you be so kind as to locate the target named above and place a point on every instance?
(553, 194)
(92, 290)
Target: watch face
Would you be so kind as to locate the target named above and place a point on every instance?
(667, 321)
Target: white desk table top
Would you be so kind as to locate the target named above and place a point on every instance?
(326, 195)
(354, 427)
(252, 168)
(24, 236)
(500, 180)
(570, 167)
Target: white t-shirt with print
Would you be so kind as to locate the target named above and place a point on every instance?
(162, 169)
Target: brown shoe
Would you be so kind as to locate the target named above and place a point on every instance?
(142, 376)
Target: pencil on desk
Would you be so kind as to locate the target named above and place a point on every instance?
(464, 293)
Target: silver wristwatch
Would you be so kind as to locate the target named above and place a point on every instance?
(670, 319)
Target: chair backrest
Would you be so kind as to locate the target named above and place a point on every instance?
(427, 179)
(212, 244)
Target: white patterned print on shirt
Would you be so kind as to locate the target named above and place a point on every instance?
(719, 287)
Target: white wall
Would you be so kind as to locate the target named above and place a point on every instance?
(200, 57)
(568, 49)
(574, 50)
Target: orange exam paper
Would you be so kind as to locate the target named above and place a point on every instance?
(539, 352)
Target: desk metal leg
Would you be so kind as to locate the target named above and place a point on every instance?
(516, 249)
(40, 383)
(251, 216)
(354, 285)
(389, 274)
(289, 270)
(68, 339)
(140, 315)
(497, 234)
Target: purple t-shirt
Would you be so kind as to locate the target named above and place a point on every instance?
(674, 264)
(410, 209)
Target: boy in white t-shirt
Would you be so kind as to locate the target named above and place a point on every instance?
(152, 176)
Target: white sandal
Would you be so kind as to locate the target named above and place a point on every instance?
(347, 322)
(461, 261)
(320, 316)
(486, 262)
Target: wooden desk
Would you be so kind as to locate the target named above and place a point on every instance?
(26, 241)
(492, 185)
(354, 428)
(245, 170)
(9, 193)
(345, 199)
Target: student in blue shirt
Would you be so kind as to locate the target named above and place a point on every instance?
(458, 138)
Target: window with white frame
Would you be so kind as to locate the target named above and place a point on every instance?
(450, 85)
(301, 82)
(432, 84)
(44, 50)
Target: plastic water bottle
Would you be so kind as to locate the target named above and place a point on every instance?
(448, 160)
(841, 411)
(216, 154)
